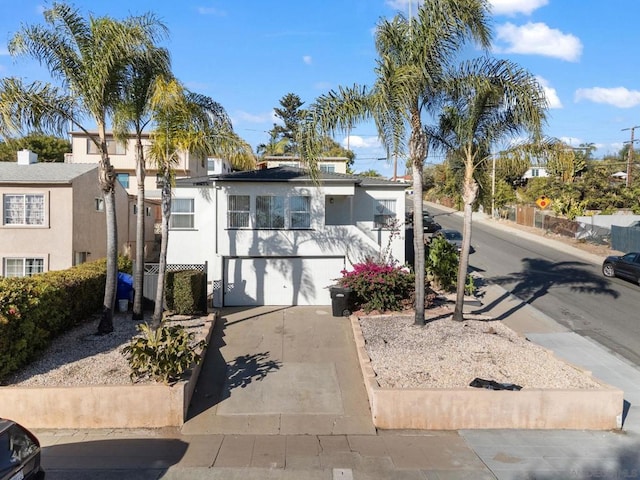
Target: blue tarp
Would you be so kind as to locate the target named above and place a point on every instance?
(125, 286)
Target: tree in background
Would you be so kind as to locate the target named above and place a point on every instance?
(90, 57)
(283, 139)
(370, 173)
(413, 55)
(49, 148)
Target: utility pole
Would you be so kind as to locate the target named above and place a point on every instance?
(630, 153)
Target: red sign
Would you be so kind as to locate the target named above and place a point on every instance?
(543, 202)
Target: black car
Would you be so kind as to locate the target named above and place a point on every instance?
(623, 266)
(19, 453)
(429, 225)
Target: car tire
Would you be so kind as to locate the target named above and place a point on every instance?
(608, 271)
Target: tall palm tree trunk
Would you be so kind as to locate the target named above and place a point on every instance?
(417, 153)
(138, 275)
(162, 263)
(107, 183)
(469, 194)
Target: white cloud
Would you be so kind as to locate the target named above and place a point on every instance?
(539, 39)
(618, 97)
(550, 93)
(356, 141)
(253, 117)
(307, 59)
(512, 7)
(571, 141)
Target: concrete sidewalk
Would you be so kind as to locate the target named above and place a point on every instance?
(281, 397)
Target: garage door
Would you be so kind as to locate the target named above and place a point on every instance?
(280, 280)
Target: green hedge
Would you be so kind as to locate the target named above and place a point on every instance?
(33, 310)
(185, 292)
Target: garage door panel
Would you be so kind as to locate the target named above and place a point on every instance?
(280, 280)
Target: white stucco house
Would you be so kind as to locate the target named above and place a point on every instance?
(276, 237)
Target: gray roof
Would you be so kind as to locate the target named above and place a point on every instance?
(45, 172)
(288, 174)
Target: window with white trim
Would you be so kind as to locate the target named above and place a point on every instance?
(269, 211)
(182, 213)
(384, 213)
(300, 212)
(24, 209)
(328, 168)
(23, 267)
(238, 211)
(113, 147)
(99, 204)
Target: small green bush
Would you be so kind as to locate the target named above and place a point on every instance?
(378, 286)
(441, 264)
(163, 355)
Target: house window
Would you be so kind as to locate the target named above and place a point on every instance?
(99, 204)
(23, 267)
(113, 148)
(384, 213)
(80, 257)
(269, 211)
(23, 209)
(182, 213)
(300, 212)
(147, 211)
(328, 168)
(123, 178)
(238, 211)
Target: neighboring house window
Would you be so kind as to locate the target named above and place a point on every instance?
(182, 213)
(113, 148)
(23, 267)
(300, 212)
(123, 178)
(99, 205)
(238, 211)
(147, 211)
(385, 212)
(80, 257)
(24, 209)
(269, 212)
(289, 164)
(328, 168)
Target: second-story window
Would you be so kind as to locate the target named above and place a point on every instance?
(384, 213)
(113, 148)
(24, 209)
(300, 212)
(123, 178)
(238, 211)
(182, 213)
(269, 211)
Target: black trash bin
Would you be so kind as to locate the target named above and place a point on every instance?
(341, 304)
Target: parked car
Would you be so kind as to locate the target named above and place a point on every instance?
(429, 225)
(19, 453)
(624, 266)
(454, 237)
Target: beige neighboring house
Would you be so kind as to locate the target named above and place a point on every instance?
(325, 164)
(53, 216)
(123, 159)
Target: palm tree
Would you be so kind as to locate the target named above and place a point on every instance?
(133, 114)
(90, 58)
(486, 101)
(412, 58)
(189, 123)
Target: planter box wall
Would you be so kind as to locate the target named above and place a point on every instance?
(472, 408)
(148, 405)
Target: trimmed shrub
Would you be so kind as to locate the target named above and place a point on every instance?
(185, 291)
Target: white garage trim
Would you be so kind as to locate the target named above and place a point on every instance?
(285, 280)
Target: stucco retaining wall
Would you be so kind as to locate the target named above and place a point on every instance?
(473, 408)
(149, 405)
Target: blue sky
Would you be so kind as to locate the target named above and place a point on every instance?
(248, 54)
